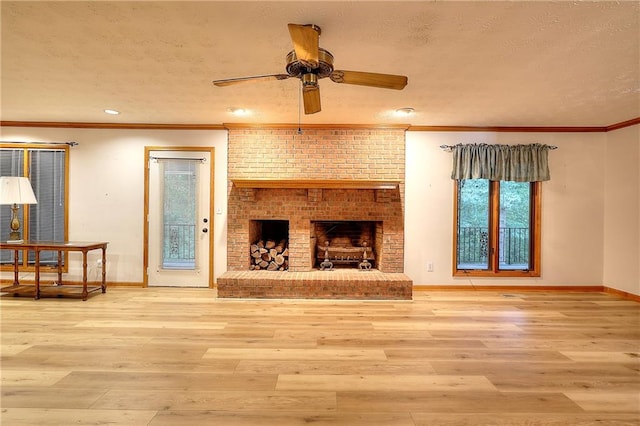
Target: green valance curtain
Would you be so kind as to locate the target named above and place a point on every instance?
(519, 163)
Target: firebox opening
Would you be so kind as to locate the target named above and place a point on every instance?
(345, 244)
(269, 245)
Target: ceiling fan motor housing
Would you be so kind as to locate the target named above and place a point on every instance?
(295, 68)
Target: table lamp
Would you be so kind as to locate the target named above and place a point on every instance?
(15, 190)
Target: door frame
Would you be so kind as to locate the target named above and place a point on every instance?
(145, 254)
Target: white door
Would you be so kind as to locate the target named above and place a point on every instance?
(179, 223)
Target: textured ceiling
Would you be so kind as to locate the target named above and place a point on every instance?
(468, 63)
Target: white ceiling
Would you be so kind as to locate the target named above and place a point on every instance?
(468, 63)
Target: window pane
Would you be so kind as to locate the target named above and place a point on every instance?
(515, 224)
(11, 164)
(473, 224)
(46, 219)
(179, 214)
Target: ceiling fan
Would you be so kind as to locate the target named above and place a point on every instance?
(309, 62)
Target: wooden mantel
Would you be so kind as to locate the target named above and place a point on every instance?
(316, 183)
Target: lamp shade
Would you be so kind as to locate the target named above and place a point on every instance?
(16, 190)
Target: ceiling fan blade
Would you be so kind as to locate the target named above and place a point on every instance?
(311, 99)
(385, 81)
(305, 43)
(231, 81)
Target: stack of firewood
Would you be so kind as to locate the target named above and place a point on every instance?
(270, 255)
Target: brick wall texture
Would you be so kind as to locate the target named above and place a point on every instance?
(327, 154)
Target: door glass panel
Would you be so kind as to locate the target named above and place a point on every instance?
(179, 213)
(473, 224)
(515, 224)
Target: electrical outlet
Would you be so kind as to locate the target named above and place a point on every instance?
(429, 266)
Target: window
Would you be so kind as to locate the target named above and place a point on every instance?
(47, 169)
(497, 228)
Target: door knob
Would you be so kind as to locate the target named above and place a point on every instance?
(205, 230)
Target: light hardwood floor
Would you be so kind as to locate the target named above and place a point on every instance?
(183, 357)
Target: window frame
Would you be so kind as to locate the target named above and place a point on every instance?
(535, 212)
(24, 264)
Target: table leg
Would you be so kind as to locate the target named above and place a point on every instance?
(104, 270)
(85, 293)
(59, 267)
(37, 252)
(15, 268)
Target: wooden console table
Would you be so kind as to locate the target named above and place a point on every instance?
(65, 246)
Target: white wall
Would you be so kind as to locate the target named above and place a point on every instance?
(107, 191)
(572, 208)
(622, 210)
(590, 218)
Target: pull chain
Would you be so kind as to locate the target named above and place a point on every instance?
(299, 108)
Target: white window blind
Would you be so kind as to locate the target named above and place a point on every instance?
(47, 218)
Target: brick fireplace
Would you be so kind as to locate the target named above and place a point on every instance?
(321, 176)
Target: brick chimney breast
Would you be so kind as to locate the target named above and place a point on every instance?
(328, 155)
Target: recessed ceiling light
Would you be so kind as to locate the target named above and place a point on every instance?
(403, 112)
(112, 111)
(239, 111)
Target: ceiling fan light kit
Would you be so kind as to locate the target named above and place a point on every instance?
(310, 63)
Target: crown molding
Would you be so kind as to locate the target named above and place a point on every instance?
(527, 129)
(406, 127)
(86, 125)
(623, 124)
(236, 126)
(512, 129)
